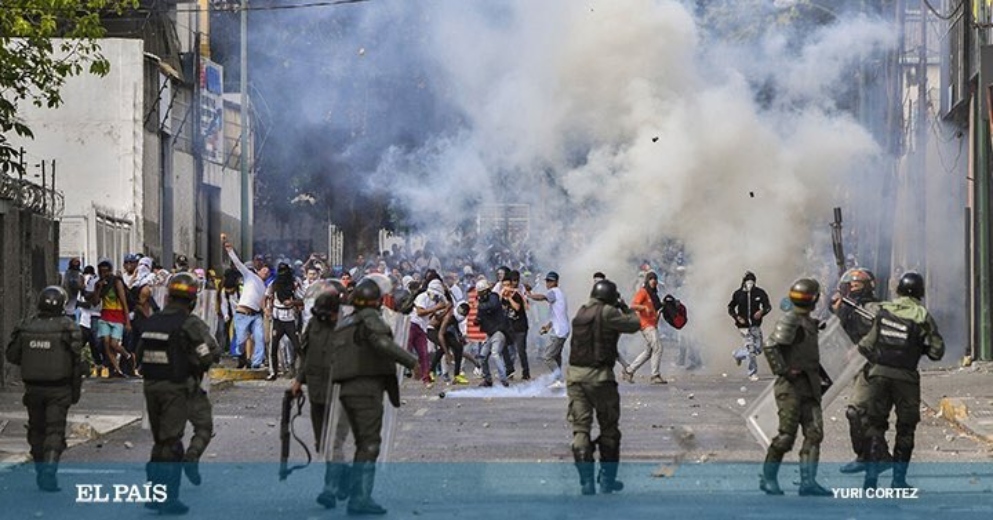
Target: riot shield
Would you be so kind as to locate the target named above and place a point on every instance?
(400, 324)
(840, 361)
(332, 416)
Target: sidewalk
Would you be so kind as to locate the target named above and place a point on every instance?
(106, 405)
(962, 396)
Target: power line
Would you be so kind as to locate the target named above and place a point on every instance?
(232, 6)
(945, 17)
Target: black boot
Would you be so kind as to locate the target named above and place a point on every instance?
(584, 464)
(49, 467)
(769, 480)
(901, 460)
(808, 474)
(172, 475)
(153, 475)
(344, 482)
(191, 467)
(332, 477)
(610, 457)
(363, 479)
(877, 453)
(859, 445)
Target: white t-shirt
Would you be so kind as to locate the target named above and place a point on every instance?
(560, 313)
(425, 300)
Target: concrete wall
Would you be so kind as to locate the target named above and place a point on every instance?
(28, 256)
(152, 198)
(97, 139)
(184, 204)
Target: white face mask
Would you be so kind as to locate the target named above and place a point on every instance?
(749, 284)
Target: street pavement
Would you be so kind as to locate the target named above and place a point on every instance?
(494, 453)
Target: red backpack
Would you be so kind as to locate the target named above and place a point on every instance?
(673, 312)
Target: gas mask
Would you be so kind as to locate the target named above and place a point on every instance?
(749, 285)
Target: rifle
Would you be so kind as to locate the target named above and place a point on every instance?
(286, 430)
(860, 310)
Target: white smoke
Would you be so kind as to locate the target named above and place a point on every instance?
(621, 129)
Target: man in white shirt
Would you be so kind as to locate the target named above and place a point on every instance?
(248, 314)
(558, 325)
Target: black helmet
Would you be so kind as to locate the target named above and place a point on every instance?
(52, 300)
(605, 291)
(367, 294)
(911, 284)
(183, 286)
(327, 303)
(805, 292)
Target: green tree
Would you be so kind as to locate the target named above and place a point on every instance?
(43, 42)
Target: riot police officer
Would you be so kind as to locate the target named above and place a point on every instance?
(201, 416)
(793, 355)
(365, 366)
(592, 387)
(858, 286)
(47, 347)
(314, 370)
(901, 334)
(173, 347)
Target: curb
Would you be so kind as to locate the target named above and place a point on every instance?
(221, 374)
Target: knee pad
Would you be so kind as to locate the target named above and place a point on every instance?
(581, 441)
(367, 452)
(783, 443)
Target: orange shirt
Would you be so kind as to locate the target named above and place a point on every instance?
(648, 318)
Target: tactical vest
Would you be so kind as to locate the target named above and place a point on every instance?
(900, 343)
(591, 346)
(45, 352)
(163, 348)
(353, 356)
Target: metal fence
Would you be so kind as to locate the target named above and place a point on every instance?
(30, 196)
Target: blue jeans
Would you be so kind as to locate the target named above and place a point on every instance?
(751, 348)
(494, 344)
(245, 325)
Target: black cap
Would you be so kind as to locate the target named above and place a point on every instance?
(182, 260)
(552, 276)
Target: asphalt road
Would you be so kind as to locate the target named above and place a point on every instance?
(494, 453)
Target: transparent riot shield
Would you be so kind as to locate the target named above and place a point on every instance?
(840, 360)
(332, 416)
(400, 324)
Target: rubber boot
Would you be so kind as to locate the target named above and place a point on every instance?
(49, 467)
(172, 475)
(877, 448)
(332, 476)
(584, 464)
(191, 467)
(808, 474)
(363, 479)
(859, 444)
(901, 460)
(153, 475)
(344, 482)
(610, 457)
(769, 480)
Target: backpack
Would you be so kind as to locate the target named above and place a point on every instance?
(673, 312)
(407, 305)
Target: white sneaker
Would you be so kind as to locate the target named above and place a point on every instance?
(753, 378)
(557, 385)
(478, 372)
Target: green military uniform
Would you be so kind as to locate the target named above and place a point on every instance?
(364, 364)
(314, 370)
(47, 348)
(798, 398)
(903, 332)
(174, 347)
(592, 388)
(201, 416)
(857, 326)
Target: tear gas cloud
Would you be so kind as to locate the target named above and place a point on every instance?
(621, 123)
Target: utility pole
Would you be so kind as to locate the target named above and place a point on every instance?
(246, 224)
(921, 141)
